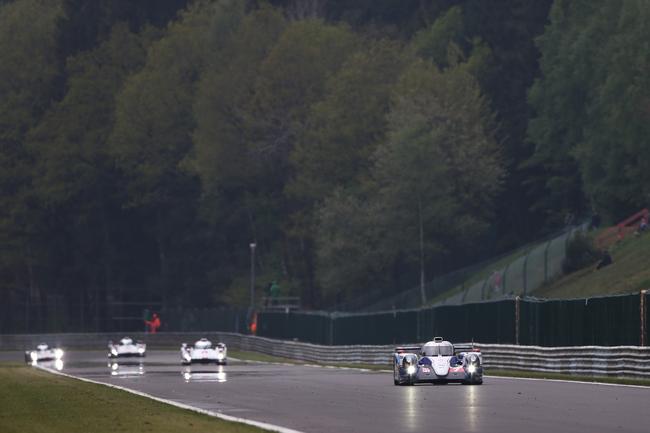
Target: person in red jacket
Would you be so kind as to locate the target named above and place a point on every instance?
(153, 324)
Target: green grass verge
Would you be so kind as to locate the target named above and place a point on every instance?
(559, 376)
(628, 274)
(35, 401)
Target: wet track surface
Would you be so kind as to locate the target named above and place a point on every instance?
(316, 399)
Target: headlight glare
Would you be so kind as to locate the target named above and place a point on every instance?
(58, 353)
(471, 369)
(410, 369)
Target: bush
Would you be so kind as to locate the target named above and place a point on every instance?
(580, 253)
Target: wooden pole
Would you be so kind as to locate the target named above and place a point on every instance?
(643, 317)
(517, 312)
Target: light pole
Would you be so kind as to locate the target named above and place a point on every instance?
(252, 245)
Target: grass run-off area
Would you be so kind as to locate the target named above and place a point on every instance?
(629, 273)
(35, 401)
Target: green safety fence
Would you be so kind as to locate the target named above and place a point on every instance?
(606, 321)
(492, 322)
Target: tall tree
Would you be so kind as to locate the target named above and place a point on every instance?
(154, 125)
(292, 78)
(74, 178)
(221, 156)
(565, 101)
(29, 71)
(434, 180)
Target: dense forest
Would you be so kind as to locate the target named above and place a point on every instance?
(361, 145)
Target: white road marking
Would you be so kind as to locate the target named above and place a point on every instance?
(262, 425)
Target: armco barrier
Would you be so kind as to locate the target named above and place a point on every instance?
(620, 361)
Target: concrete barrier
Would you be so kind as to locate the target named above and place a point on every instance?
(620, 361)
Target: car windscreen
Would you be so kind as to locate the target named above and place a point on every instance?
(438, 349)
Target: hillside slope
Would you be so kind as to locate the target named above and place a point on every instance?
(630, 272)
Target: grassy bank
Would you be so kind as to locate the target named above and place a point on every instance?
(628, 273)
(34, 401)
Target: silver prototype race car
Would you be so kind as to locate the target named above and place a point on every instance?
(43, 353)
(126, 348)
(204, 352)
(437, 361)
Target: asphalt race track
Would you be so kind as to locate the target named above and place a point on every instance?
(317, 399)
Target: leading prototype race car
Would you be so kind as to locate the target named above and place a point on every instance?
(437, 361)
(126, 348)
(43, 353)
(203, 352)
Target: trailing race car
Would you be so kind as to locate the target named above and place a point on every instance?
(126, 348)
(203, 352)
(43, 353)
(437, 362)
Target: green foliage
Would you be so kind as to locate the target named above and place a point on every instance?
(292, 78)
(591, 118)
(356, 144)
(442, 41)
(429, 191)
(29, 69)
(614, 154)
(580, 252)
(345, 127)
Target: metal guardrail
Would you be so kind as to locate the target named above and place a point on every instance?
(620, 361)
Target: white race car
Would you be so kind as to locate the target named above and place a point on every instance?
(437, 361)
(127, 348)
(204, 352)
(43, 353)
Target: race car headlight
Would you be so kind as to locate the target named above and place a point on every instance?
(114, 351)
(410, 369)
(471, 369)
(219, 355)
(34, 356)
(58, 353)
(187, 356)
(140, 350)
